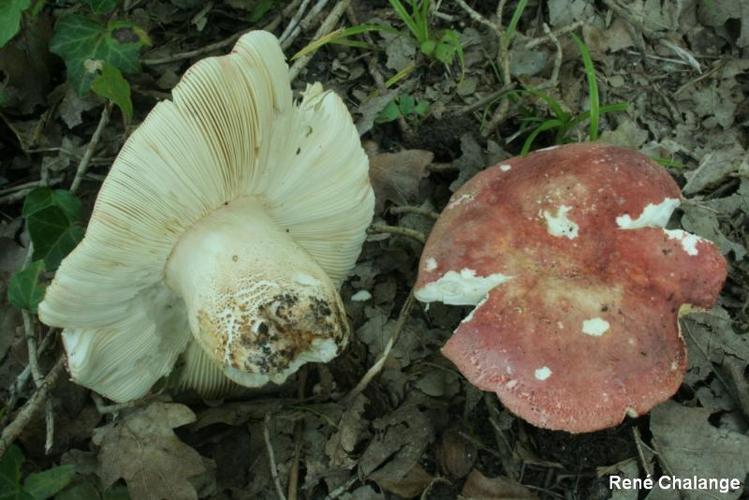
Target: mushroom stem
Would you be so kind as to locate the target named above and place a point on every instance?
(258, 303)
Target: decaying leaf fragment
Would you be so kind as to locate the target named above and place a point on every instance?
(143, 450)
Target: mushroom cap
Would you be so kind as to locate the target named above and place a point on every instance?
(576, 283)
(231, 131)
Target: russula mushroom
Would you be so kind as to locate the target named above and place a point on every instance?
(576, 284)
(220, 236)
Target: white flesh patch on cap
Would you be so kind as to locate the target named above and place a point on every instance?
(560, 225)
(542, 373)
(463, 198)
(652, 215)
(505, 167)
(688, 241)
(361, 296)
(460, 289)
(430, 264)
(595, 327)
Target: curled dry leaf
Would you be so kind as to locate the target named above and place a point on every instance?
(478, 486)
(395, 177)
(143, 450)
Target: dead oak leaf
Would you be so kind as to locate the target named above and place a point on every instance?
(395, 177)
(143, 450)
(690, 446)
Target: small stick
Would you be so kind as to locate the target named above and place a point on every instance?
(306, 22)
(272, 458)
(208, 48)
(342, 488)
(89, 153)
(479, 18)
(402, 231)
(14, 429)
(469, 108)
(551, 35)
(294, 21)
(638, 444)
(415, 210)
(326, 27)
(298, 430)
(380, 363)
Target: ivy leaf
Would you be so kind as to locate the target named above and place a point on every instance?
(25, 289)
(10, 18)
(10, 476)
(87, 46)
(102, 6)
(47, 483)
(111, 85)
(53, 221)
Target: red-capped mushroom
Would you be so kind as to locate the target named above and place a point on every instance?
(576, 283)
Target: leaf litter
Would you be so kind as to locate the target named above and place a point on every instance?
(418, 429)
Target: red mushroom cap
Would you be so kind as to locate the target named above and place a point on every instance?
(577, 286)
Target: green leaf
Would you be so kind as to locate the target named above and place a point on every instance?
(80, 491)
(25, 289)
(260, 9)
(10, 18)
(10, 475)
(406, 104)
(42, 198)
(53, 221)
(111, 85)
(390, 113)
(427, 47)
(102, 6)
(86, 46)
(447, 47)
(45, 484)
(117, 492)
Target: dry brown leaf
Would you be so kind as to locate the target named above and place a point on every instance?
(478, 487)
(689, 446)
(395, 177)
(412, 484)
(144, 451)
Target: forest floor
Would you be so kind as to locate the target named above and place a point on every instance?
(672, 81)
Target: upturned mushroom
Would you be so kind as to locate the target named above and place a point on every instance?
(576, 283)
(220, 236)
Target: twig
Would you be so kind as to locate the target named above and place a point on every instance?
(326, 27)
(272, 457)
(304, 24)
(554, 79)
(36, 373)
(342, 488)
(479, 18)
(638, 445)
(181, 56)
(293, 22)
(376, 368)
(89, 153)
(298, 431)
(402, 231)
(23, 378)
(470, 108)
(551, 35)
(415, 210)
(14, 429)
